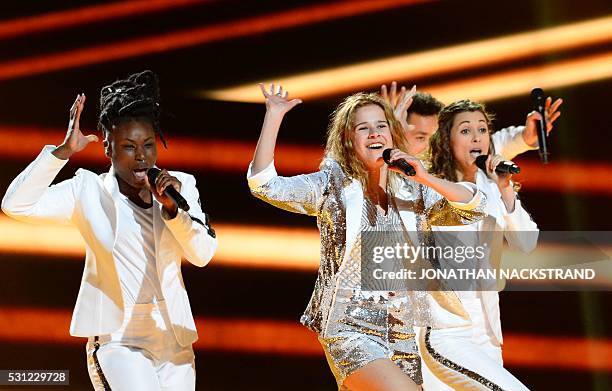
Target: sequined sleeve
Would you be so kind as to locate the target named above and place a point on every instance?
(440, 211)
(298, 194)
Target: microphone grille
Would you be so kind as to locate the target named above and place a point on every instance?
(152, 174)
(387, 155)
(481, 162)
(537, 94)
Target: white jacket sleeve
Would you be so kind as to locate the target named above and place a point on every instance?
(521, 231)
(509, 142)
(30, 198)
(192, 229)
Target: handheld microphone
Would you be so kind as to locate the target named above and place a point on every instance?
(505, 167)
(170, 191)
(401, 163)
(538, 99)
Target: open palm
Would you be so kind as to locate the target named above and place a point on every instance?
(75, 140)
(278, 100)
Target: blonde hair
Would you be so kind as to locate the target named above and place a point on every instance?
(339, 144)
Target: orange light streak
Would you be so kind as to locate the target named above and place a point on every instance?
(256, 336)
(239, 245)
(195, 36)
(24, 143)
(413, 66)
(87, 15)
(517, 82)
(284, 248)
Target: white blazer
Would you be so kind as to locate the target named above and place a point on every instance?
(520, 231)
(509, 142)
(88, 201)
(517, 227)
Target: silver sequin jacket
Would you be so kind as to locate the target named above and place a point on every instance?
(337, 201)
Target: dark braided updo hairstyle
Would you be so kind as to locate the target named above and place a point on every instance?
(133, 99)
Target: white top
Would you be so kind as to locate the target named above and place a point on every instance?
(134, 253)
(517, 227)
(89, 201)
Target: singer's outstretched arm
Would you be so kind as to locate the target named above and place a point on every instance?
(277, 105)
(449, 190)
(299, 193)
(29, 196)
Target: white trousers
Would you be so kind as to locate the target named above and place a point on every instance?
(143, 355)
(464, 358)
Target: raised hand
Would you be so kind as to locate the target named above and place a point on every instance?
(530, 134)
(277, 101)
(277, 105)
(75, 140)
(399, 101)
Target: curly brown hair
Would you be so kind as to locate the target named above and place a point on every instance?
(443, 163)
(339, 142)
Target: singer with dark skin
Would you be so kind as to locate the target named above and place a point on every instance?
(132, 149)
(132, 305)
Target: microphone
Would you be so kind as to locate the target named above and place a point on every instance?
(538, 99)
(505, 167)
(170, 191)
(401, 163)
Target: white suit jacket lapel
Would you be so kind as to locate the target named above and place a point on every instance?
(353, 198)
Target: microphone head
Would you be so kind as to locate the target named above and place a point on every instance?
(152, 174)
(481, 162)
(537, 95)
(387, 155)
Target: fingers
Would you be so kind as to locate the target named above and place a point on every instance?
(92, 138)
(294, 102)
(401, 97)
(383, 92)
(73, 108)
(488, 164)
(397, 154)
(164, 179)
(555, 106)
(554, 117)
(79, 109)
(263, 89)
(75, 113)
(406, 98)
(393, 93)
(547, 103)
(551, 120)
(273, 90)
(494, 161)
(534, 116)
